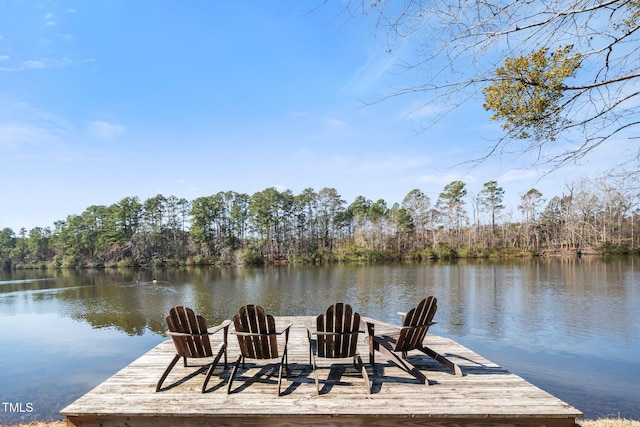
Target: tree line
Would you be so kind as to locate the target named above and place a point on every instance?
(546, 71)
(273, 226)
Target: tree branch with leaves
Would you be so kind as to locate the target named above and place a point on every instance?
(561, 77)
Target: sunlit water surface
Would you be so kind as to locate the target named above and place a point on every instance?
(569, 326)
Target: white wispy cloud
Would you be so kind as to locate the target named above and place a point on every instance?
(14, 135)
(105, 130)
(34, 64)
(33, 141)
(335, 123)
(49, 20)
(25, 126)
(369, 73)
(422, 111)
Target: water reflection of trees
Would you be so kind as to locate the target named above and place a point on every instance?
(137, 301)
(531, 301)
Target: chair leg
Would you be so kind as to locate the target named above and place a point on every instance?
(286, 362)
(440, 358)
(403, 364)
(209, 373)
(365, 375)
(224, 343)
(213, 366)
(233, 373)
(280, 377)
(373, 345)
(166, 372)
(314, 367)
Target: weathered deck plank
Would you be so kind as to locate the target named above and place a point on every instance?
(487, 394)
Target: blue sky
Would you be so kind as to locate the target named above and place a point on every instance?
(102, 100)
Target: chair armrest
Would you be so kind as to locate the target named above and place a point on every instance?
(336, 333)
(258, 334)
(255, 334)
(224, 325)
(286, 327)
(402, 315)
(184, 334)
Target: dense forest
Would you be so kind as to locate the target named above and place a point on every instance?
(273, 226)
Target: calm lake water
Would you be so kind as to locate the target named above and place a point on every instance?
(569, 326)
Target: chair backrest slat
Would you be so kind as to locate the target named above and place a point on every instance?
(325, 342)
(184, 320)
(337, 332)
(254, 320)
(241, 323)
(416, 324)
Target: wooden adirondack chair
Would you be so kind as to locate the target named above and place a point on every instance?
(337, 338)
(192, 340)
(415, 325)
(257, 338)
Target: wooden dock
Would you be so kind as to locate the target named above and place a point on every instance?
(486, 395)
